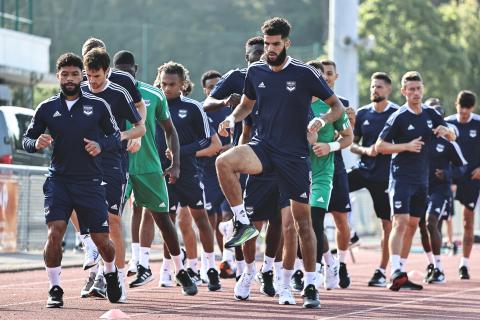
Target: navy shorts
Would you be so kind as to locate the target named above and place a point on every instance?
(449, 210)
(378, 191)
(115, 187)
(467, 193)
(262, 198)
(186, 192)
(88, 201)
(408, 198)
(340, 198)
(438, 203)
(293, 175)
(214, 197)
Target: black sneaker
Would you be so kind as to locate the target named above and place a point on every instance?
(437, 277)
(189, 288)
(85, 292)
(344, 277)
(463, 272)
(114, 289)
(241, 234)
(310, 297)
(430, 269)
(297, 281)
(354, 240)
(144, 276)
(55, 297)
(378, 279)
(267, 287)
(99, 288)
(397, 280)
(409, 285)
(213, 280)
(195, 276)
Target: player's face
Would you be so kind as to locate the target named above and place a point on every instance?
(70, 78)
(413, 92)
(96, 78)
(209, 84)
(275, 49)
(464, 113)
(171, 85)
(253, 53)
(379, 90)
(330, 75)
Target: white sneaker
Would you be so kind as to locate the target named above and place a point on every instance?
(226, 228)
(92, 256)
(319, 278)
(332, 278)
(242, 287)
(277, 281)
(166, 278)
(285, 296)
(123, 298)
(132, 267)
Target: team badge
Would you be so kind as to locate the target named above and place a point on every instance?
(473, 133)
(249, 211)
(147, 103)
(429, 124)
(291, 85)
(440, 147)
(182, 113)
(88, 110)
(398, 204)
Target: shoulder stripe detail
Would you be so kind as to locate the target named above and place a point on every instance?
(117, 71)
(154, 92)
(459, 152)
(206, 124)
(394, 115)
(303, 65)
(125, 92)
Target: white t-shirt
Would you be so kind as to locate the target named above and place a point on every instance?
(70, 103)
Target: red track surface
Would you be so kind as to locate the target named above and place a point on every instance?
(24, 296)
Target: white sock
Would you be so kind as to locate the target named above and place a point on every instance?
(167, 264)
(277, 267)
(342, 255)
(100, 271)
(135, 251)
(309, 278)
(286, 277)
(193, 264)
(78, 238)
(464, 262)
(403, 264)
(438, 263)
(240, 214)
(318, 267)
(121, 275)
(395, 263)
(109, 267)
(227, 255)
(210, 260)
(177, 261)
(144, 258)
(267, 263)
(298, 264)
(54, 275)
(430, 257)
(328, 258)
(203, 262)
(251, 269)
(87, 241)
(241, 265)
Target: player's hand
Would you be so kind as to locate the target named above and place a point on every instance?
(225, 125)
(225, 148)
(440, 174)
(314, 125)
(441, 131)
(321, 149)
(351, 115)
(415, 145)
(233, 100)
(92, 147)
(173, 173)
(134, 145)
(371, 151)
(169, 154)
(43, 141)
(476, 174)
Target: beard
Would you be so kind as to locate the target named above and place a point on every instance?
(279, 59)
(377, 99)
(70, 92)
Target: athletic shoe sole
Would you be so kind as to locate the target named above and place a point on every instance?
(245, 237)
(396, 284)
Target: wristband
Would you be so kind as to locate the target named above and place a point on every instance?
(321, 121)
(334, 146)
(231, 119)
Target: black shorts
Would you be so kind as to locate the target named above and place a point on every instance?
(186, 191)
(340, 198)
(214, 197)
(467, 193)
(115, 189)
(408, 198)
(378, 191)
(438, 203)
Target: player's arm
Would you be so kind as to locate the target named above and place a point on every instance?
(171, 137)
(385, 147)
(212, 104)
(241, 112)
(445, 132)
(246, 133)
(335, 112)
(346, 137)
(111, 138)
(35, 137)
(213, 149)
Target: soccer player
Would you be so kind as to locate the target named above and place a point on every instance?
(468, 125)
(194, 136)
(283, 88)
(77, 125)
(115, 163)
(442, 156)
(374, 168)
(146, 179)
(408, 133)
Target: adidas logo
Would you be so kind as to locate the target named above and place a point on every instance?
(471, 204)
(199, 203)
(114, 207)
(437, 210)
(347, 206)
(304, 195)
(320, 199)
(56, 114)
(410, 127)
(103, 183)
(366, 123)
(162, 205)
(105, 224)
(261, 85)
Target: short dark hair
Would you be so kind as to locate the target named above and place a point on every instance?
(327, 62)
(97, 59)
(210, 74)
(69, 60)
(173, 67)
(381, 76)
(253, 41)
(411, 76)
(276, 26)
(123, 57)
(466, 99)
(92, 43)
(316, 64)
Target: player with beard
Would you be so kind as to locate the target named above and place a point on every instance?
(76, 123)
(373, 169)
(283, 88)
